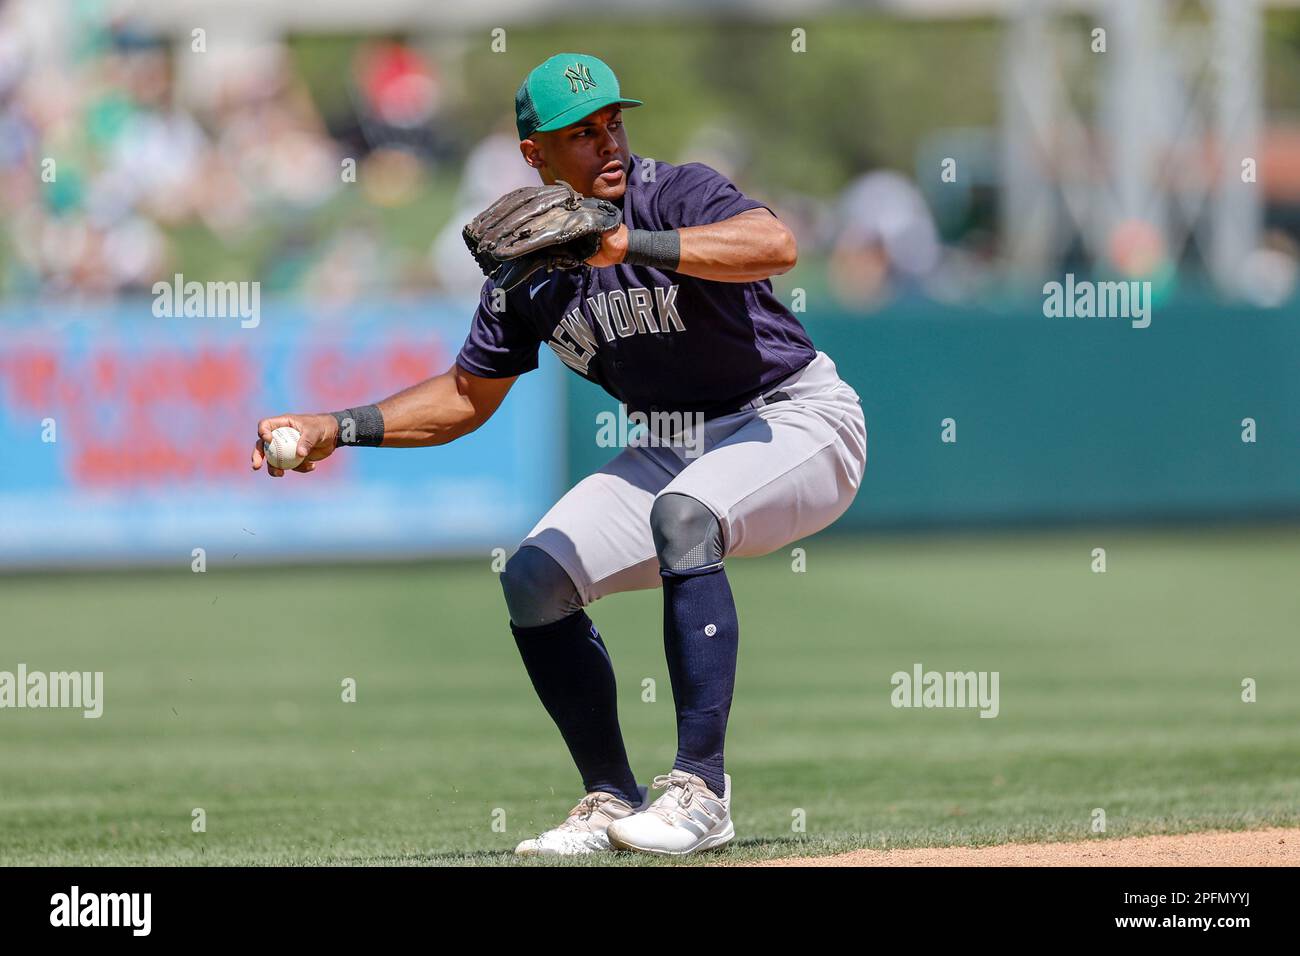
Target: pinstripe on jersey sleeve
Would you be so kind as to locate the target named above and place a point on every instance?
(696, 195)
(500, 344)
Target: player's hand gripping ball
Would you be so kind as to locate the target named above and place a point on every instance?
(282, 448)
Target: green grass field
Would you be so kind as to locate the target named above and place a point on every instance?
(1119, 690)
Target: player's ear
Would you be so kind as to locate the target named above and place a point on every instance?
(532, 152)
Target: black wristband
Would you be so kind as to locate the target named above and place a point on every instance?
(360, 426)
(658, 250)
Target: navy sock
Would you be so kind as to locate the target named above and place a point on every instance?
(572, 674)
(701, 637)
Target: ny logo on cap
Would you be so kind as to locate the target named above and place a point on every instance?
(579, 75)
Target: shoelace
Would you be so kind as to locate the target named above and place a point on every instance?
(666, 781)
(587, 806)
(685, 798)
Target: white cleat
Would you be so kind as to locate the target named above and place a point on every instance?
(688, 818)
(584, 829)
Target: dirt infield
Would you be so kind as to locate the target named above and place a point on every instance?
(1273, 847)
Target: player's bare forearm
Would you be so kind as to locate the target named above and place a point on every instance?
(441, 409)
(434, 412)
(748, 247)
(751, 246)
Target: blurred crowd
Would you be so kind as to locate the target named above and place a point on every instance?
(104, 177)
(124, 160)
(118, 169)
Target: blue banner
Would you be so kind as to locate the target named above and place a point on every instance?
(126, 438)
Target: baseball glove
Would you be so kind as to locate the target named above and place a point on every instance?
(536, 226)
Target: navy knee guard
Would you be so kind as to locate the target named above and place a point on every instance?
(686, 533)
(538, 591)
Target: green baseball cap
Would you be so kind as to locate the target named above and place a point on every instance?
(563, 90)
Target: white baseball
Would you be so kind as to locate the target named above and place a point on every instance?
(282, 449)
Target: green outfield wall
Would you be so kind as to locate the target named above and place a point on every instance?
(1056, 419)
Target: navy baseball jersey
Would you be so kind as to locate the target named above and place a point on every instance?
(655, 340)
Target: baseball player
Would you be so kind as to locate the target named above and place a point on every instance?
(674, 316)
